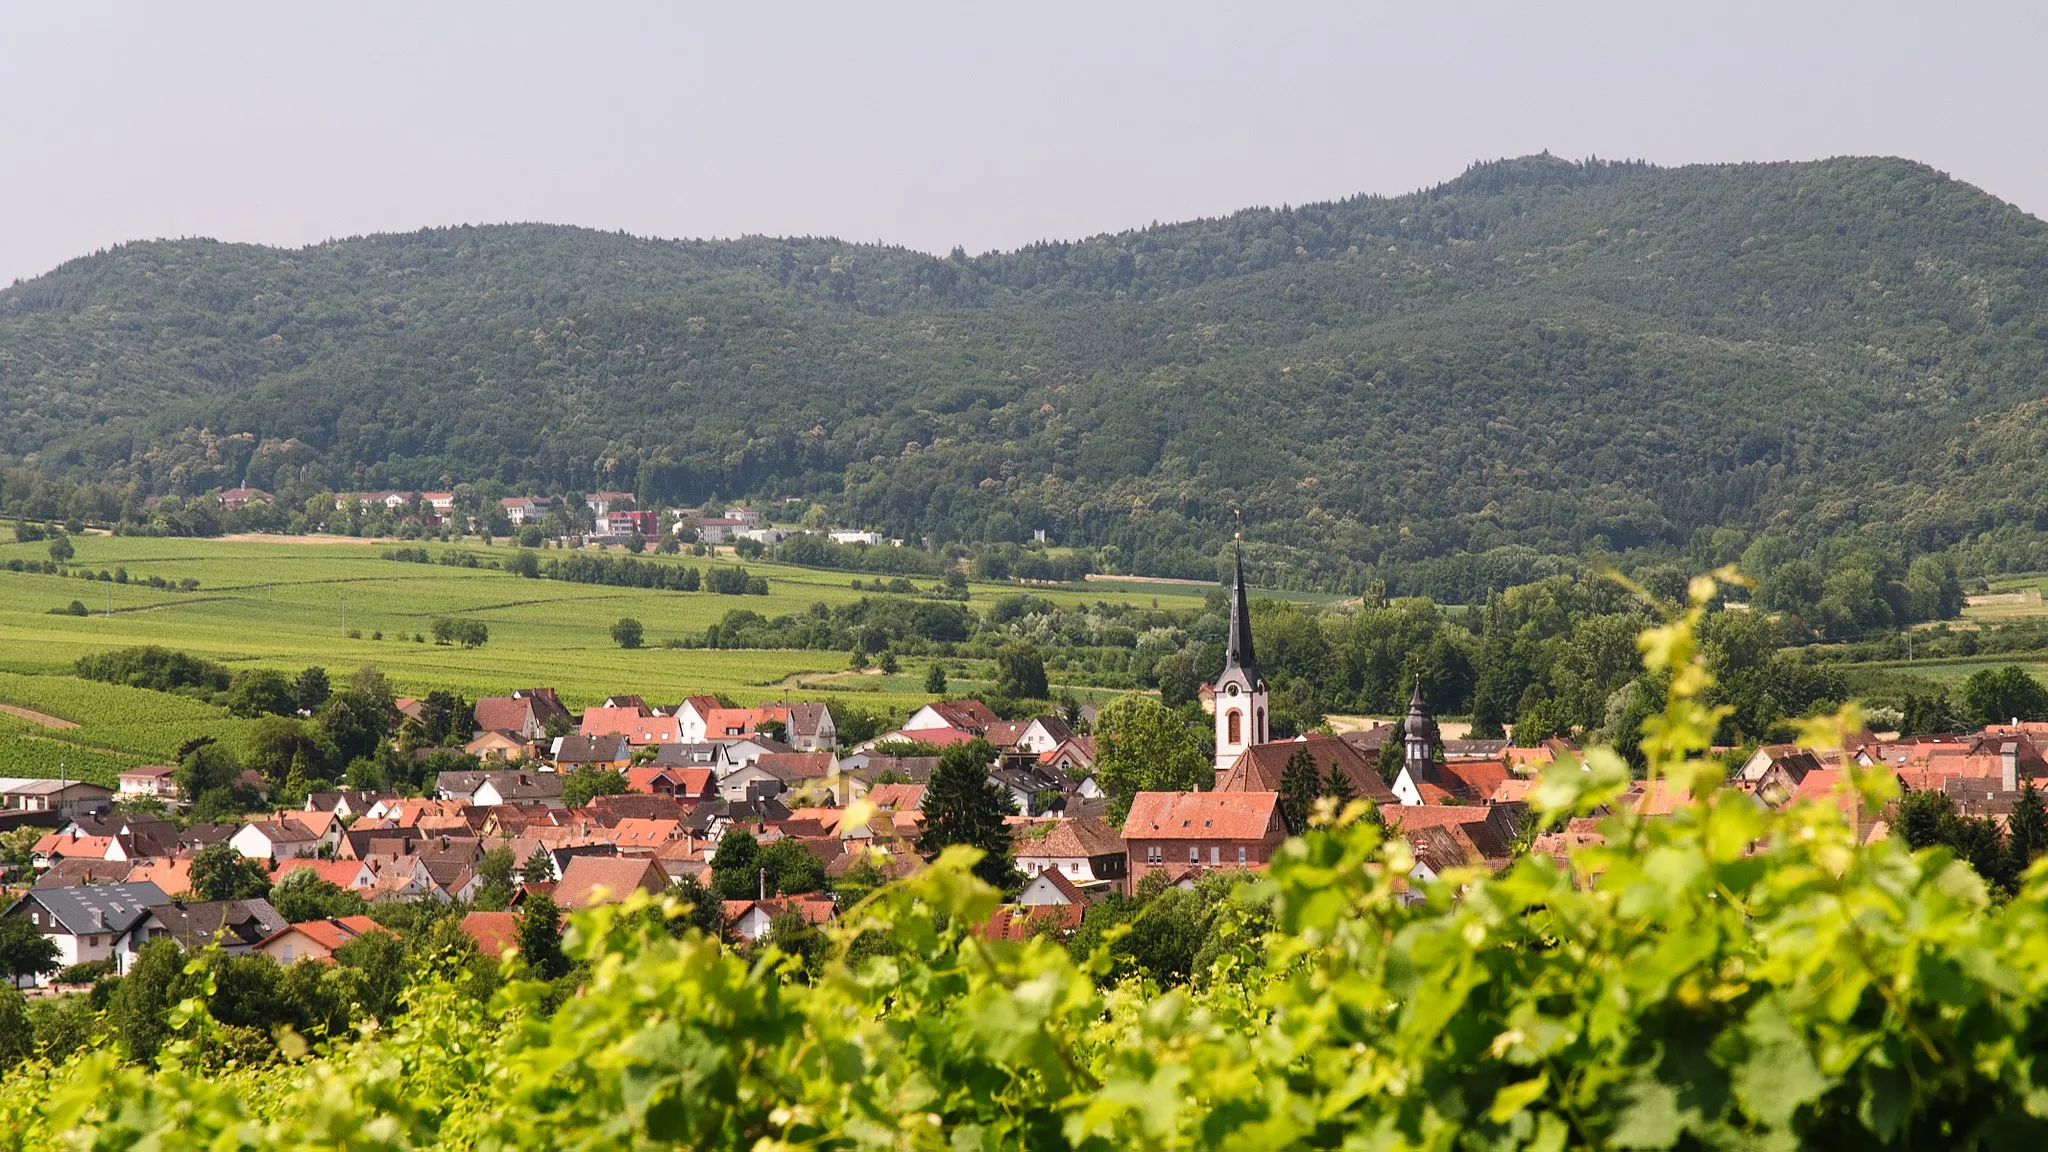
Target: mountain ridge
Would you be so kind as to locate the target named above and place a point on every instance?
(1561, 356)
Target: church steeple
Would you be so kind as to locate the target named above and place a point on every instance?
(1237, 650)
(1241, 701)
(1418, 736)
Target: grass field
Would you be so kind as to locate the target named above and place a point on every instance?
(287, 603)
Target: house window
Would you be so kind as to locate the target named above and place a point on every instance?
(1074, 868)
(1234, 737)
(1152, 854)
(1215, 855)
(1259, 729)
(1240, 855)
(1194, 854)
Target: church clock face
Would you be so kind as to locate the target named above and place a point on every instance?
(1232, 690)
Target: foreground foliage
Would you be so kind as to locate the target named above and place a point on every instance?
(1727, 977)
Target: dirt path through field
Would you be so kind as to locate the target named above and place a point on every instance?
(35, 717)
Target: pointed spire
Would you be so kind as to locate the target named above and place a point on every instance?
(1237, 650)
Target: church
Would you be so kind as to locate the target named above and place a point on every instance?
(1247, 758)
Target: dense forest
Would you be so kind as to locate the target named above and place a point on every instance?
(1441, 391)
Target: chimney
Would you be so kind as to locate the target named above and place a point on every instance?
(2009, 766)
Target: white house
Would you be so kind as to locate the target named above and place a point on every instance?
(149, 780)
(965, 715)
(520, 509)
(237, 926)
(692, 717)
(1050, 887)
(713, 529)
(275, 840)
(842, 536)
(1087, 851)
(85, 920)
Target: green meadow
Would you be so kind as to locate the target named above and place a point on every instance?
(288, 602)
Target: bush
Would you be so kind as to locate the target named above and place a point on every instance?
(149, 666)
(468, 633)
(626, 633)
(90, 972)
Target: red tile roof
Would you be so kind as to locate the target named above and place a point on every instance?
(332, 932)
(1081, 837)
(1480, 777)
(1203, 815)
(1260, 767)
(616, 875)
(897, 797)
(1019, 922)
(936, 737)
(494, 932)
(338, 872)
(971, 715)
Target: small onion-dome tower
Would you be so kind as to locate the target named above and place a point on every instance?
(1418, 736)
(1240, 690)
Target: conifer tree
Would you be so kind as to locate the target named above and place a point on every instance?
(736, 866)
(1300, 782)
(962, 806)
(540, 936)
(1338, 786)
(2026, 834)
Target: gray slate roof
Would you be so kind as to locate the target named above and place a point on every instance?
(231, 921)
(95, 908)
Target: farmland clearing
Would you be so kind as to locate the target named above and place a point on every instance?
(285, 603)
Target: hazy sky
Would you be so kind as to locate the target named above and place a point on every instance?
(933, 125)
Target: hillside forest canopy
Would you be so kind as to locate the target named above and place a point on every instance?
(1443, 393)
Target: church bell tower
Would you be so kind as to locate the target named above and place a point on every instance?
(1240, 690)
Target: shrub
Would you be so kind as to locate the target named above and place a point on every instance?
(150, 666)
(468, 633)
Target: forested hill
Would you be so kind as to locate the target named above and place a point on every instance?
(1537, 355)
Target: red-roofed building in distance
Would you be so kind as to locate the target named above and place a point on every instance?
(316, 939)
(1179, 830)
(349, 874)
(693, 717)
(1261, 767)
(525, 713)
(1085, 850)
(681, 783)
(751, 919)
(639, 726)
(234, 498)
(970, 716)
(493, 932)
(592, 880)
